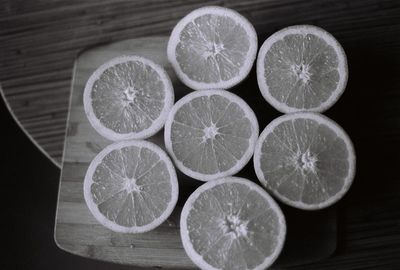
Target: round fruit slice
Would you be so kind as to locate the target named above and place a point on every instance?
(128, 97)
(211, 134)
(301, 68)
(306, 160)
(131, 186)
(232, 223)
(212, 47)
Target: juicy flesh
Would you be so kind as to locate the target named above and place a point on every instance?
(233, 227)
(212, 48)
(304, 161)
(210, 134)
(128, 97)
(131, 186)
(301, 70)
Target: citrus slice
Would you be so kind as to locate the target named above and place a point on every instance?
(301, 68)
(128, 97)
(212, 47)
(210, 134)
(305, 159)
(232, 223)
(131, 186)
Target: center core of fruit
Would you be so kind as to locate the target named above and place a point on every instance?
(307, 161)
(130, 93)
(213, 49)
(302, 71)
(131, 186)
(235, 226)
(210, 132)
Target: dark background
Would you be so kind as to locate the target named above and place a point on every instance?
(369, 215)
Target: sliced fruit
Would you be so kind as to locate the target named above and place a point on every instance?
(232, 223)
(212, 48)
(131, 186)
(306, 160)
(302, 68)
(128, 97)
(210, 134)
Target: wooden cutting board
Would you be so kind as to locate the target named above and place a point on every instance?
(311, 235)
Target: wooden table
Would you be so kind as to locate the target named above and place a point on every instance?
(40, 39)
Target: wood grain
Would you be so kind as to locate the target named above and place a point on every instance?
(78, 232)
